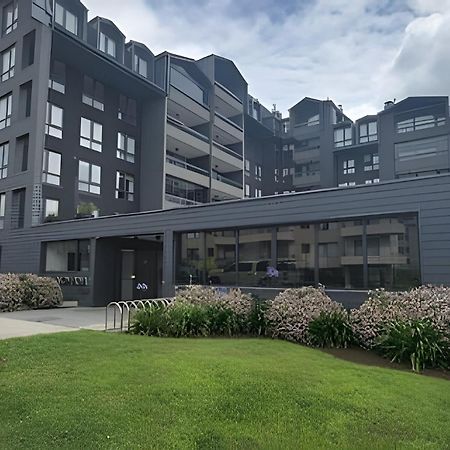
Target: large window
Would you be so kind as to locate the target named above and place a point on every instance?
(180, 79)
(126, 147)
(371, 162)
(67, 256)
(125, 186)
(2, 210)
(51, 172)
(89, 177)
(343, 137)
(93, 93)
(368, 132)
(351, 254)
(51, 209)
(107, 45)
(91, 134)
(183, 192)
(127, 109)
(66, 19)
(8, 63)
(4, 157)
(348, 166)
(420, 121)
(54, 121)
(140, 66)
(5, 111)
(57, 80)
(10, 17)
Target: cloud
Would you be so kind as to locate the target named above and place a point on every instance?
(357, 53)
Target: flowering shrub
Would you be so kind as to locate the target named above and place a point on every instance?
(382, 307)
(28, 291)
(291, 312)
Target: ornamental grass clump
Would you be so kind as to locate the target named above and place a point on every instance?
(382, 307)
(292, 311)
(331, 329)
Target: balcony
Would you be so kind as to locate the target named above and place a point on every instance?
(227, 104)
(301, 156)
(181, 169)
(172, 201)
(375, 229)
(307, 179)
(190, 111)
(225, 188)
(185, 141)
(374, 260)
(226, 160)
(227, 132)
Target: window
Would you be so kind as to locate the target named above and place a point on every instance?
(368, 132)
(89, 176)
(125, 186)
(127, 110)
(140, 66)
(126, 147)
(10, 17)
(54, 121)
(5, 111)
(25, 99)
(51, 208)
(66, 19)
(247, 165)
(258, 192)
(18, 208)
(67, 256)
(2, 210)
(374, 180)
(426, 120)
(258, 172)
(348, 166)
(4, 152)
(29, 44)
(51, 171)
(21, 154)
(93, 93)
(8, 63)
(371, 162)
(285, 172)
(57, 80)
(343, 137)
(181, 80)
(247, 190)
(107, 45)
(91, 134)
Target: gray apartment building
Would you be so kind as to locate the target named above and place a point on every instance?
(121, 169)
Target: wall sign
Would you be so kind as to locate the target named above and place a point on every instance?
(72, 281)
(142, 287)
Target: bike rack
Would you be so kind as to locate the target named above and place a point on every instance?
(125, 309)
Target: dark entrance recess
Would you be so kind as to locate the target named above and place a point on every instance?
(128, 268)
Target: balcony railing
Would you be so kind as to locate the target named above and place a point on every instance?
(226, 180)
(181, 201)
(187, 166)
(229, 121)
(186, 129)
(228, 151)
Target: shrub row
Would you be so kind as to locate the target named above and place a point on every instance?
(28, 291)
(406, 326)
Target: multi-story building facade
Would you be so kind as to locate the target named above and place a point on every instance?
(98, 136)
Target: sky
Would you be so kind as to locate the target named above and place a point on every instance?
(358, 53)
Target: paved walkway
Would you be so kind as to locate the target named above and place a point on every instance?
(28, 323)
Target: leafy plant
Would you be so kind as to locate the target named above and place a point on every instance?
(417, 341)
(151, 321)
(331, 329)
(87, 208)
(257, 320)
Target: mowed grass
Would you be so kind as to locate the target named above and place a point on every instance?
(90, 390)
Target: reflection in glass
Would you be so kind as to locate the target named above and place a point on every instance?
(221, 258)
(190, 259)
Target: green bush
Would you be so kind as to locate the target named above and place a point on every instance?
(151, 321)
(417, 341)
(28, 291)
(186, 320)
(257, 324)
(331, 329)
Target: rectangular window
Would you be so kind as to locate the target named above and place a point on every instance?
(247, 165)
(181, 80)
(10, 17)
(425, 120)
(89, 176)
(18, 208)
(125, 186)
(91, 134)
(258, 193)
(107, 45)
(127, 110)
(221, 258)
(5, 111)
(21, 154)
(126, 147)
(54, 121)
(51, 209)
(66, 19)
(4, 156)
(368, 132)
(191, 259)
(247, 190)
(8, 63)
(93, 93)
(371, 162)
(2, 210)
(140, 66)
(29, 44)
(25, 95)
(343, 137)
(348, 166)
(51, 169)
(57, 80)
(67, 256)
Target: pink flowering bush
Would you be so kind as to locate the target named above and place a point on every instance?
(28, 291)
(291, 312)
(430, 303)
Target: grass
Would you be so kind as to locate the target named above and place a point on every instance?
(89, 390)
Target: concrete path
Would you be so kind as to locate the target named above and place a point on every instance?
(28, 323)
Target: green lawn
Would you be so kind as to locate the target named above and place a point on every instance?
(89, 390)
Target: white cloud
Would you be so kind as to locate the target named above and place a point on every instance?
(357, 53)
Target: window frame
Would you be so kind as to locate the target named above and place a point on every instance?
(345, 141)
(4, 159)
(348, 166)
(6, 121)
(10, 53)
(47, 176)
(368, 136)
(65, 13)
(2, 209)
(124, 153)
(8, 28)
(125, 185)
(93, 143)
(92, 187)
(51, 128)
(104, 45)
